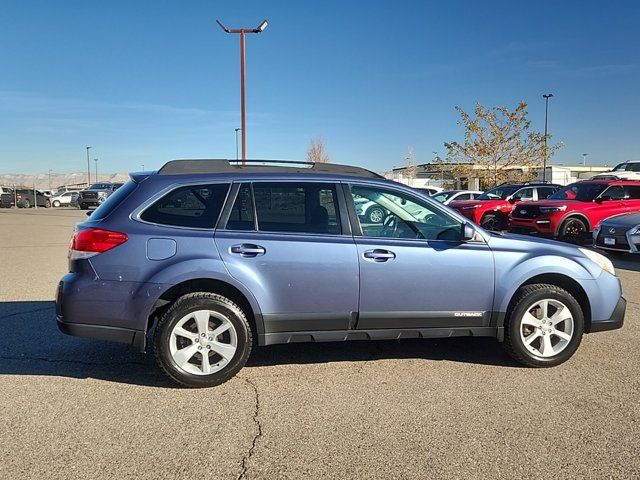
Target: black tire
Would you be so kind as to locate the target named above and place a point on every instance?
(83, 207)
(47, 204)
(26, 203)
(493, 221)
(574, 230)
(375, 215)
(192, 303)
(56, 203)
(526, 297)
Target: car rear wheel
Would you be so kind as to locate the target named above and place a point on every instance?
(494, 222)
(26, 204)
(544, 326)
(375, 215)
(202, 340)
(573, 230)
(47, 204)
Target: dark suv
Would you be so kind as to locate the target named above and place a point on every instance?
(96, 194)
(216, 256)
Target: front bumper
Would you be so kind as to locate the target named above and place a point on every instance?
(101, 332)
(542, 227)
(614, 322)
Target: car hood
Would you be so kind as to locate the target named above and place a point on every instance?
(626, 220)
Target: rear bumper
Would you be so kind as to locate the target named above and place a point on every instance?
(100, 332)
(614, 322)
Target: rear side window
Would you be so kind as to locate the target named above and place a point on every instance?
(113, 200)
(633, 193)
(544, 192)
(297, 208)
(195, 206)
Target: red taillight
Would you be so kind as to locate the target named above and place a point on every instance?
(96, 240)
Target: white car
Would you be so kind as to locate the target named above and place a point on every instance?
(429, 189)
(629, 170)
(64, 199)
(447, 196)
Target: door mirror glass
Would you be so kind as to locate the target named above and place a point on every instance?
(468, 232)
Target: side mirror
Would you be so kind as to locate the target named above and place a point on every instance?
(600, 199)
(468, 232)
(513, 199)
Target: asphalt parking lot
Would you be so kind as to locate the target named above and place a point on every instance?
(454, 408)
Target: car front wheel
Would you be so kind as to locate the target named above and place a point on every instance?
(56, 203)
(202, 340)
(544, 326)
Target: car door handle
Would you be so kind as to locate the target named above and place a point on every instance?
(379, 255)
(248, 250)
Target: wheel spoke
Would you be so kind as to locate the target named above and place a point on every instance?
(226, 325)
(562, 335)
(206, 366)
(529, 319)
(561, 315)
(224, 350)
(183, 355)
(544, 306)
(547, 347)
(202, 320)
(183, 333)
(532, 337)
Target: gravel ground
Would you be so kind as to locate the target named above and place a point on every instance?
(454, 408)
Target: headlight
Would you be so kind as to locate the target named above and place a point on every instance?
(470, 207)
(600, 260)
(561, 208)
(635, 231)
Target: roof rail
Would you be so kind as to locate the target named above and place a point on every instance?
(194, 166)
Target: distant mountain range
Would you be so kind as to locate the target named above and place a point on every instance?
(41, 180)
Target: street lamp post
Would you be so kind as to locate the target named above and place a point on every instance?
(88, 168)
(546, 97)
(50, 179)
(237, 129)
(584, 158)
(96, 161)
(243, 111)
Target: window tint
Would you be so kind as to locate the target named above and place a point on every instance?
(498, 193)
(633, 167)
(614, 193)
(544, 192)
(633, 193)
(242, 216)
(113, 201)
(524, 194)
(297, 208)
(464, 196)
(403, 216)
(196, 206)
(584, 192)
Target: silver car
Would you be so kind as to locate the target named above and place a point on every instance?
(620, 233)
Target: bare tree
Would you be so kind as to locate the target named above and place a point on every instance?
(409, 167)
(498, 145)
(316, 152)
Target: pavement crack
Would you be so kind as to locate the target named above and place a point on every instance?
(256, 420)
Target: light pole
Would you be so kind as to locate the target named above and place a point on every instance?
(88, 168)
(96, 161)
(50, 179)
(584, 158)
(237, 129)
(243, 111)
(546, 97)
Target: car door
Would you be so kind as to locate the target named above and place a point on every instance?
(415, 270)
(290, 244)
(612, 201)
(632, 198)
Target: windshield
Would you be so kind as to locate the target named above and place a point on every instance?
(620, 167)
(100, 186)
(498, 193)
(444, 196)
(583, 192)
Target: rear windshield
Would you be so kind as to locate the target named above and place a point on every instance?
(498, 193)
(113, 200)
(583, 192)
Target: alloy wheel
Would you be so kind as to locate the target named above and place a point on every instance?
(546, 328)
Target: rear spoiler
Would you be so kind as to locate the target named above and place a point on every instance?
(139, 177)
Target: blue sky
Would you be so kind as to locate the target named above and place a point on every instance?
(144, 82)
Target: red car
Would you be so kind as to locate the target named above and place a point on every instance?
(573, 212)
(492, 208)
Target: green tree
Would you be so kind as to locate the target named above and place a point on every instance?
(499, 145)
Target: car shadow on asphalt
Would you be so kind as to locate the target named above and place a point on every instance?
(625, 262)
(32, 345)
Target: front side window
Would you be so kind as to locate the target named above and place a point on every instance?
(297, 208)
(621, 167)
(614, 193)
(195, 206)
(524, 194)
(405, 216)
(545, 192)
(498, 193)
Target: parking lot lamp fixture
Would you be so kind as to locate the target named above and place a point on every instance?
(584, 158)
(243, 110)
(546, 97)
(88, 168)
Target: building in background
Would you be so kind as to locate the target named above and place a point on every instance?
(444, 175)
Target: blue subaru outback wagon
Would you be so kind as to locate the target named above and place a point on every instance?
(215, 256)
